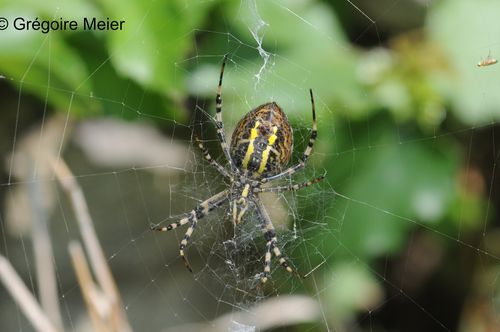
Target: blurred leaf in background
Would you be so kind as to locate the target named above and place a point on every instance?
(467, 32)
(390, 115)
(142, 59)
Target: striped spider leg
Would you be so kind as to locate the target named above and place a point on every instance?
(209, 158)
(290, 187)
(192, 217)
(218, 121)
(271, 242)
(267, 226)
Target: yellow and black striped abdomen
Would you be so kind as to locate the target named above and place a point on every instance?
(262, 141)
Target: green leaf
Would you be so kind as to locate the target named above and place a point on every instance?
(352, 288)
(157, 36)
(46, 67)
(314, 55)
(468, 31)
(386, 192)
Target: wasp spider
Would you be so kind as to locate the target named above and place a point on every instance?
(261, 145)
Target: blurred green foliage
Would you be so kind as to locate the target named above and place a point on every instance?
(172, 50)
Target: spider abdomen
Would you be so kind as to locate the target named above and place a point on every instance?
(262, 141)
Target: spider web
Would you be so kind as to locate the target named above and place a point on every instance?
(149, 171)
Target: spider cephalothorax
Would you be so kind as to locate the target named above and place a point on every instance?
(261, 147)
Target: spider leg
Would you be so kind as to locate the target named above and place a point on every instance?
(209, 158)
(218, 120)
(192, 217)
(290, 187)
(307, 152)
(270, 236)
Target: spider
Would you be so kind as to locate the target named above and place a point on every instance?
(261, 146)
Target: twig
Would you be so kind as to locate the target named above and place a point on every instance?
(42, 250)
(92, 245)
(23, 297)
(88, 288)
